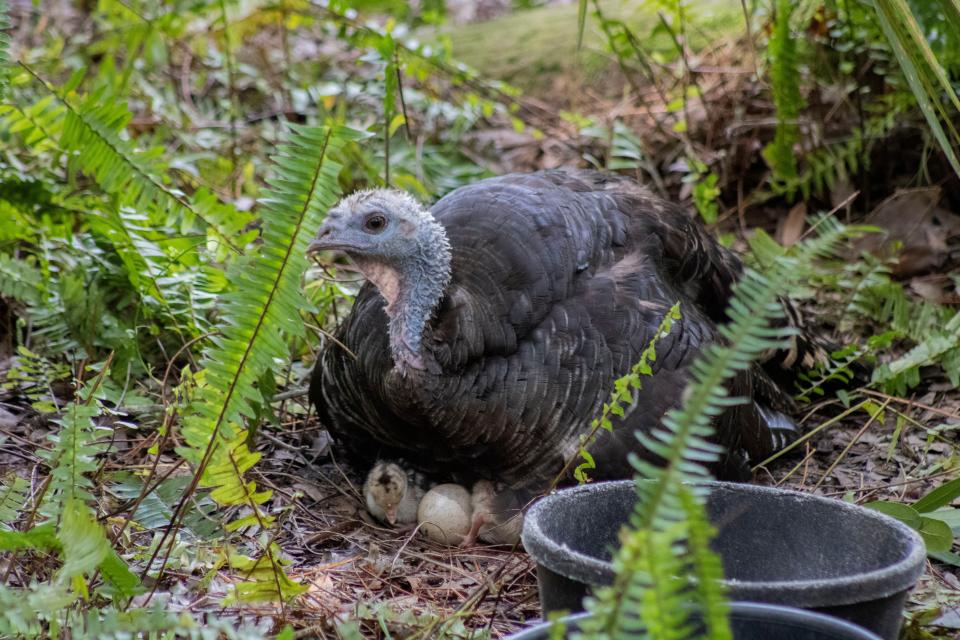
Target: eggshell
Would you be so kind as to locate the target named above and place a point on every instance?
(444, 514)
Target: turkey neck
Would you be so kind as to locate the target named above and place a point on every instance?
(413, 285)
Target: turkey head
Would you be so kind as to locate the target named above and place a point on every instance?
(399, 247)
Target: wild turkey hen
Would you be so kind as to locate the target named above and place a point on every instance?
(493, 326)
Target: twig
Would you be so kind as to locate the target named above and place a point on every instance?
(863, 429)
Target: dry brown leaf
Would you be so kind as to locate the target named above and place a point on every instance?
(790, 228)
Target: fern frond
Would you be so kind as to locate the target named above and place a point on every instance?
(38, 125)
(81, 539)
(13, 495)
(927, 78)
(668, 494)
(262, 305)
(24, 613)
(4, 49)
(91, 133)
(709, 592)
(785, 81)
(33, 612)
(42, 536)
(86, 550)
(73, 457)
(145, 262)
(942, 347)
(624, 391)
(660, 614)
(19, 280)
(85, 546)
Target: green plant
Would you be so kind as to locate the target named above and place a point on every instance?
(668, 533)
(785, 82)
(4, 48)
(261, 305)
(926, 75)
(624, 390)
(931, 516)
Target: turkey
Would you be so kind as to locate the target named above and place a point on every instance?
(493, 325)
(393, 493)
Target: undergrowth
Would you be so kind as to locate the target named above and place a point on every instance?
(667, 540)
(161, 168)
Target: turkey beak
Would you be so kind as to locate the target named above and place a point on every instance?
(392, 515)
(326, 238)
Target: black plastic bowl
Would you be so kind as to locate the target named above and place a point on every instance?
(753, 621)
(777, 546)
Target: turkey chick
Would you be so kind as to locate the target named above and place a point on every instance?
(497, 514)
(393, 493)
(444, 514)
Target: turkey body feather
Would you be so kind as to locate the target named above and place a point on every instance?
(558, 281)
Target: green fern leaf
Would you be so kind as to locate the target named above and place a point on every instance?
(710, 594)
(4, 49)
(25, 612)
(84, 545)
(13, 495)
(122, 581)
(942, 347)
(927, 78)
(623, 394)
(785, 81)
(20, 280)
(260, 308)
(669, 494)
(43, 536)
(90, 131)
(73, 457)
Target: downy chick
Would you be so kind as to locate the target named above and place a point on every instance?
(497, 514)
(393, 493)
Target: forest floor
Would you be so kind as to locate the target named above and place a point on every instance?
(901, 454)
(401, 585)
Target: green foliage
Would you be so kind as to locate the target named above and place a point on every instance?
(136, 230)
(33, 375)
(824, 167)
(4, 48)
(785, 82)
(941, 347)
(924, 72)
(13, 496)
(668, 533)
(930, 515)
(869, 298)
(872, 298)
(34, 613)
(706, 193)
(261, 305)
(71, 527)
(139, 250)
(624, 392)
(19, 280)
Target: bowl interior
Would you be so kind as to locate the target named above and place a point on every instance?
(763, 535)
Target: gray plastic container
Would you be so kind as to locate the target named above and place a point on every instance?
(753, 621)
(777, 546)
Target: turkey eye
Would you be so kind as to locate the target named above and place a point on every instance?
(375, 223)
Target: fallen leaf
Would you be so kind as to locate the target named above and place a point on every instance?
(791, 227)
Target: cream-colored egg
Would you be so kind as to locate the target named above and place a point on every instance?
(444, 514)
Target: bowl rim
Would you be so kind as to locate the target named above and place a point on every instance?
(808, 592)
(788, 615)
